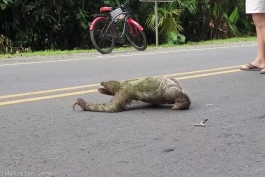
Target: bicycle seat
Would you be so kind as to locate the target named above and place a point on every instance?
(105, 9)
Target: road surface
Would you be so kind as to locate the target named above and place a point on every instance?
(42, 136)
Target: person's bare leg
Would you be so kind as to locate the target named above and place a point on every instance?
(259, 21)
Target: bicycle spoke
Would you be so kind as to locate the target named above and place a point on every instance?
(136, 37)
(102, 36)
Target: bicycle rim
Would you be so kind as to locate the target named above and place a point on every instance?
(102, 36)
(136, 37)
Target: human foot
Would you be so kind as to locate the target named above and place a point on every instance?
(251, 67)
(262, 71)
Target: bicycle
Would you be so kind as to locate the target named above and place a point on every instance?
(104, 34)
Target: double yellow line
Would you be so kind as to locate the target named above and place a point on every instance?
(189, 75)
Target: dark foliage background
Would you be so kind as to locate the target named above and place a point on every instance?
(63, 25)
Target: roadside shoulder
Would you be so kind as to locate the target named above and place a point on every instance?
(26, 59)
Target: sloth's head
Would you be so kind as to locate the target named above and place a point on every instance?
(109, 87)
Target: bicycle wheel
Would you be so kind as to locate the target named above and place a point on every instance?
(102, 36)
(136, 37)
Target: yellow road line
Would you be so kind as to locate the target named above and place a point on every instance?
(93, 85)
(45, 97)
(47, 91)
(95, 90)
(201, 71)
(208, 74)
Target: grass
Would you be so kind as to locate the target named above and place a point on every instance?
(216, 41)
(68, 52)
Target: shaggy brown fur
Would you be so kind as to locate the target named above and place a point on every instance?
(153, 90)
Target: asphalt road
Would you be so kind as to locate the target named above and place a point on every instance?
(42, 136)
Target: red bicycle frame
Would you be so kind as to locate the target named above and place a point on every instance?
(129, 20)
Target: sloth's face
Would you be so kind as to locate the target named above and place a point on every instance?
(108, 88)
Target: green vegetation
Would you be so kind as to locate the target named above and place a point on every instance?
(61, 27)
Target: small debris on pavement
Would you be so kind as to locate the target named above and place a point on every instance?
(169, 150)
(202, 123)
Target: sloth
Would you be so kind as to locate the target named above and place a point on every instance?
(152, 90)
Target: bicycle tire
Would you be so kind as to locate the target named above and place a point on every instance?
(132, 30)
(96, 42)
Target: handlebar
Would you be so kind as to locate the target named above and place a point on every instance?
(121, 6)
(126, 2)
(125, 6)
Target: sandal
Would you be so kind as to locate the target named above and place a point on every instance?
(250, 67)
(262, 71)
